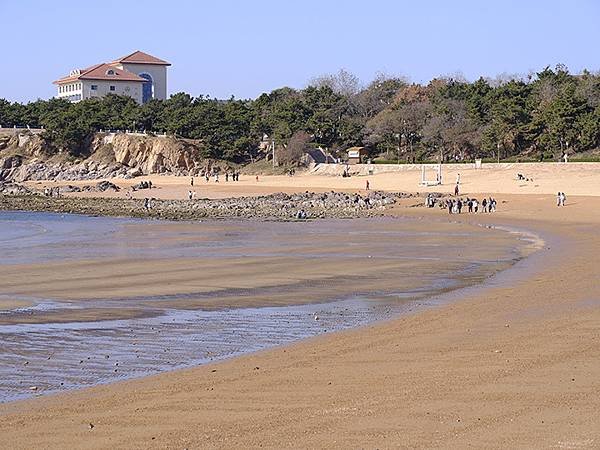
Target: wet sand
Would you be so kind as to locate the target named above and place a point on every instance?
(165, 295)
(513, 364)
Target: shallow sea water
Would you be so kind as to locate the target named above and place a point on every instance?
(55, 356)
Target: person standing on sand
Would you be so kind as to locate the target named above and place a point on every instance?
(192, 181)
(257, 178)
(367, 185)
(484, 205)
(558, 198)
(189, 195)
(456, 190)
(458, 178)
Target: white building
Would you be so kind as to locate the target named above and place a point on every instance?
(140, 76)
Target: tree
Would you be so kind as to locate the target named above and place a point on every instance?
(295, 149)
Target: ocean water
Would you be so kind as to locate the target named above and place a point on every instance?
(40, 348)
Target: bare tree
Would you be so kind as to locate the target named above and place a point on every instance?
(293, 152)
(379, 94)
(343, 83)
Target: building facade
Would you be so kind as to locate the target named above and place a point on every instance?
(140, 76)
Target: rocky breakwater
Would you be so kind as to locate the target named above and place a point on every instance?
(270, 207)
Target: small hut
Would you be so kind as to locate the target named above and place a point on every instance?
(356, 154)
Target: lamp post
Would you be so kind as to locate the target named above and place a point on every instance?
(273, 150)
(399, 137)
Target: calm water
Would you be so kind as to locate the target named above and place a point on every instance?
(58, 356)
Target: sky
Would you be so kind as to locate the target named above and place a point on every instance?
(244, 48)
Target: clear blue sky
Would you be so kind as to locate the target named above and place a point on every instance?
(244, 48)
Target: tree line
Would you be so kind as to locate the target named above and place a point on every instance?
(540, 116)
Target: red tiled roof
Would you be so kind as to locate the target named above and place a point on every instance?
(99, 72)
(139, 57)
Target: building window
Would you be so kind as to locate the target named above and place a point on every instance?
(147, 87)
(112, 88)
(94, 87)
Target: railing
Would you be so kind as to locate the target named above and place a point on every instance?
(133, 132)
(19, 128)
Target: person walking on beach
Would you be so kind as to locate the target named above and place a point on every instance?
(456, 190)
(558, 198)
(459, 205)
(367, 185)
(189, 195)
(475, 205)
(484, 205)
(192, 181)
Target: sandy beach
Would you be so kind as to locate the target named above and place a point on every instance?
(512, 363)
(543, 179)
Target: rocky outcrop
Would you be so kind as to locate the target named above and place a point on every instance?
(26, 157)
(157, 154)
(14, 189)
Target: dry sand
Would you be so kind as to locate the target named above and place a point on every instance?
(514, 364)
(546, 178)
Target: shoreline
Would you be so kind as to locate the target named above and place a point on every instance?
(471, 336)
(409, 305)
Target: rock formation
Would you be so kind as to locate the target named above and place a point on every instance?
(26, 156)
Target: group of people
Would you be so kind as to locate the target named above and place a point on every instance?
(233, 176)
(560, 199)
(148, 203)
(52, 192)
(455, 206)
(142, 185)
(301, 215)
